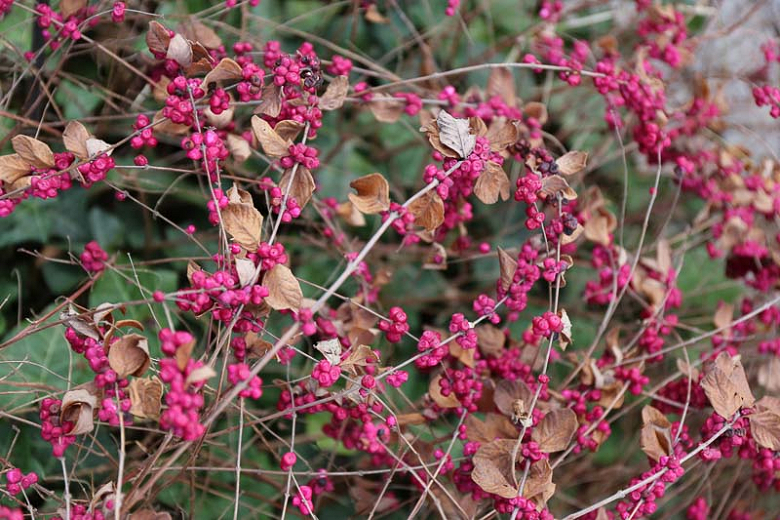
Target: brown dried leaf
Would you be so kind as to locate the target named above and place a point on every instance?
(495, 426)
(146, 397)
(555, 430)
(490, 340)
(301, 186)
(599, 227)
(129, 356)
(565, 337)
(537, 111)
(555, 185)
(200, 374)
(289, 129)
(273, 145)
(502, 136)
(71, 7)
(656, 435)
(492, 182)
(539, 485)
(97, 146)
(494, 469)
(350, 214)
(724, 315)
(284, 289)
(194, 30)
(726, 385)
(572, 162)
(455, 133)
(34, 152)
(180, 51)
(239, 148)
(226, 70)
(184, 354)
(270, 101)
(428, 210)
(330, 349)
(507, 265)
(334, 95)
(245, 269)
(78, 407)
(256, 347)
(434, 390)
(374, 16)
(157, 38)
(412, 419)
(507, 392)
(13, 167)
(501, 83)
(769, 375)
(149, 514)
(765, 423)
(75, 139)
(386, 109)
(359, 356)
(244, 223)
(373, 194)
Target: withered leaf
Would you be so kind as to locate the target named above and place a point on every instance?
(492, 182)
(412, 418)
(334, 95)
(289, 129)
(184, 354)
(507, 392)
(256, 347)
(494, 468)
(501, 83)
(554, 185)
(149, 514)
(359, 356)
(129, 355)
(200, 374)
(34, 152)
(428, 210)
(769, 374)
(599, 226)
(301, 186)
(539, 485)
(97, 146)
(726, 385)
(71, 7)
(146, 397)
(330, 349)
(490, 340)
(373, 194)
(244, 223)
(386, 109)
(180, 51)
(239, 148)
(765, 423)
(501, 136)
(656, 435)
(350, 214)
(495, 426)
(536, 110)
(507, 265)
(245, 269)
(194, 30)
(434, 390)
(283, 288)
(273, 145)
(75, 139)
(572, 162)
(157, 38)
(78, 407)
(270, 101)
(565, 336)
(455, 133)
(13, 167)
(555, 430)
(226, 70)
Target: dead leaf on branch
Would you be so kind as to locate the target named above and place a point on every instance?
(283, 288)
(272, 143)
(146, 397)
(428, 210)
(555, 430)
(34, 152)
(495, 426)
(490, 340)
(302, 186)
(335, 94)
(226, 70)
(330, 349)
(572, 162)
(494, 469)
(507, 265)
(726, 385)
(656, 435)
(157, 38)
(75, 139)
(765, 422)
(386, 109)
(244, 223)
(501, 83)
(129, 356)
(180, 51)
(13, 168)
(78, 406)
(373, 194)
(289, 129)
(456, 134)
(444, 401)
(492, 183)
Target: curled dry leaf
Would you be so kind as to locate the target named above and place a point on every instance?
(289, 129)
(270, 101)
(495, 426)
(149, 514)
(200, 374)
(184, 354)
(351, 215)
(146, 397)
(180, 51)
(455, 133)
(769, 375)
(555, 430)
(273, 145)
(501, 83)
(334, 95)
(239, 148)
(490, 340)
(537, 111)
(765, 423)
(78, 407)
(539, 486)
(555, 185)
(245, 269)
(428, 210)
(726, 385)
(157, 38)
(13, 168)
(283, 288)
(244, 223)
(386, 109)
(572, 162)
(494, 469)
(600, 226)
(34, 152)
(194, 30)
(97, 146)
(226, 70)
(492, 182)
(75, 139)
(434, 390)
(300, 186)
(71, 7)
(565, 338)
(83, 326)
(507, 392)
(656, 435)
(507, 265)
(129, 356)
(501, 136)
(373, 194)
(330, 349)
(359, 356)
(256, 347)
(222, 119)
